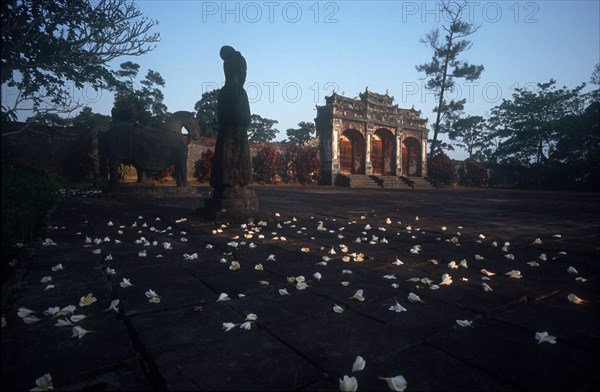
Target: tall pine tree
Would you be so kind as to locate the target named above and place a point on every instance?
(445, 66)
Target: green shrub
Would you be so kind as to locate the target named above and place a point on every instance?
(27, 193)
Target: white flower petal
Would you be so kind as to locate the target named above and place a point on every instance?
(223, 297)
(348, 384)
(397, 383)
(542, 337)
(575, 299)
(77, 317)
(412, 297)
(87, 300)
(358, 295)
(464, 323)
(359, 364)
(79, 332)
(43, 383)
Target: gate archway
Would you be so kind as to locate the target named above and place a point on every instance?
(411, 157)
(383, 153)
(352, 152)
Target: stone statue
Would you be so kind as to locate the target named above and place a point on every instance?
(98, 149)
(232, 168)
(148, 149)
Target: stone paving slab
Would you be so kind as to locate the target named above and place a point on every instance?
(298, 341)
(513, 355)
(238, 362)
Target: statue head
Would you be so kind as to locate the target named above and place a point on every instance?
(234, 65)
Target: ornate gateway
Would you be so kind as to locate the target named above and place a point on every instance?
(370, 136)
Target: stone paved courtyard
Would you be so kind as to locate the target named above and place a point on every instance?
(387, 243)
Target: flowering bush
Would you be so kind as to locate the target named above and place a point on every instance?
(300, 164)
(308, 166)
(265, 165)
(474, 174)
(203, 166)
(442, 169)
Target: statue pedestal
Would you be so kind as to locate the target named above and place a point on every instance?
(235, 204)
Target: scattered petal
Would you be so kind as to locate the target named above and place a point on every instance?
(31, 319)
(317, 276)
(283, 292)
(412, 297)
(223, 297)
(397, 307)
(575, 299)
(486, 287)
(359, 364)
(114, 305)
(43, 383)
(63, 323)
(572, 270)
(464, 323)
(397, 383)
(57, 267)
(487, 273)
(338, 309)
(87, 300)
(246, 325)
(234, 266)
(358, 295)
(126, 283)
(229, 326)
(542, 337)
(77, 317)
(79, 332)
(348, 384)
(516, 274)
(446, 280)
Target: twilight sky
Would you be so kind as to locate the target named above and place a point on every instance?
(300, 51)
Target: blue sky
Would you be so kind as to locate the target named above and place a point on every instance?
(299, 51)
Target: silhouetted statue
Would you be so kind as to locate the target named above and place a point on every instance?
(232, 168)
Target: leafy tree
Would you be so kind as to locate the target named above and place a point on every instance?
(86, 119)
(595, 79)
(206, 109)
(470, 134)
(143, 104)
(302, 134)
(261, 129)
(530, 125)
(49, 47)
(50, 119)
(445, 66)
